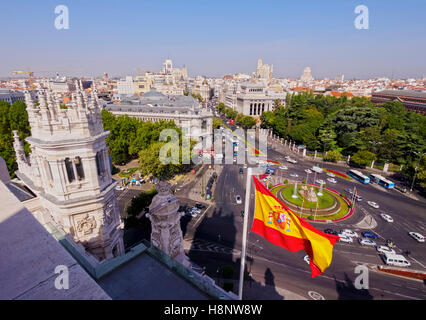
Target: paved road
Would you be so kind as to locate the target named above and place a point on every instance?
(217, 241)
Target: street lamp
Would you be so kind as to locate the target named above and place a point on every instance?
(415, 169)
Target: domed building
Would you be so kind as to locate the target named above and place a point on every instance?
(195, 120)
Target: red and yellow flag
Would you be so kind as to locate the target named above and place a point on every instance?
(274, 221)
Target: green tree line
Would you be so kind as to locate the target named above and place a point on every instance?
(246, 122)
(356, 127)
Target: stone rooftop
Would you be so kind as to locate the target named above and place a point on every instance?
(29, 256)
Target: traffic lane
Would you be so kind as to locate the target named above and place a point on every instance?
(294, 274)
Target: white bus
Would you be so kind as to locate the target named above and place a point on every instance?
(382, 181)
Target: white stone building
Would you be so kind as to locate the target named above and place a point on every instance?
(125, 86)
(195, 121)
(252, 99)
(69, 171)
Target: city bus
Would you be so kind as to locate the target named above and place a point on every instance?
(359, 176)
(382, 181)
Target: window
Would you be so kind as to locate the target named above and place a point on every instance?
(79, 168)
(70, 170)
(251, 108)
(99, 163)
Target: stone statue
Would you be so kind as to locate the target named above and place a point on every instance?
(308, 194)
(165, 221)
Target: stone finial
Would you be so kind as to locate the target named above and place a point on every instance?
(163, 187)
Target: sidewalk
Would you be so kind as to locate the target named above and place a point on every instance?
(253, 290)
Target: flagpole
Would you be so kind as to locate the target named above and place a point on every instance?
(245, 227)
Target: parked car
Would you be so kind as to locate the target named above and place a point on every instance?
(320, 181)
(294, 175)
(386, 217)
(283, 167)
(308, 171)
(367, 242)
(332, 180)
(200, 206)
(373, 204)
(238, 199)
(119, 188)
(348, 232)
(369, 234)
(417, 236)
(384, 249)
(195, 209)
(330, 231)
(344, 238)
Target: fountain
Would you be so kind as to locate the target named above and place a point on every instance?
(294, 196)
(320, 194)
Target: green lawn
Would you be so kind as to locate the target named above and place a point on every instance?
(324, 201)
(127, 173)
(344, 208)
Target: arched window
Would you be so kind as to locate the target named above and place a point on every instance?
(79, 168)
(70, 170)
(99, 163)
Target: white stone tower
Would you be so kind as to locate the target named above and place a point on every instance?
(69, 170)
(165, 221)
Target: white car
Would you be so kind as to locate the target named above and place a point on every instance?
(306, 258)
(292, 161)
(349, 233)
(417, 236)
(320, 181)
(283, 167)
(308, 171)
(367, 242)
(373, 204)
(330, 174)
(386, 217)
(385, 249)
(332, 180)
(345, 238)
(119, 188)
(238, 199)
(195, 209)
(294, 175)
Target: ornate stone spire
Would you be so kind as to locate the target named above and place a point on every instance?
(165, 220)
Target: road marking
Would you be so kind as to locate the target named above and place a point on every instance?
(418, 262)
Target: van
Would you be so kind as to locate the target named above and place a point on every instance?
(317, 169)
(396, 260)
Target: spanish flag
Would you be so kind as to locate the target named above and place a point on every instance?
(278, 224)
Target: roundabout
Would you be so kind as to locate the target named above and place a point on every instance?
(313, 202)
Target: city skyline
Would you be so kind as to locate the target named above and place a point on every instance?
(218, 38)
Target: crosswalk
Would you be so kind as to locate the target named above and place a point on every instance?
(203, 245)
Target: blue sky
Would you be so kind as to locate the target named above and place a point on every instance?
(214, 38)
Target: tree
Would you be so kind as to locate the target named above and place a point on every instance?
(217, 123)
(150, 162)
(363, 158)
(248, 122)
(333, 156)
